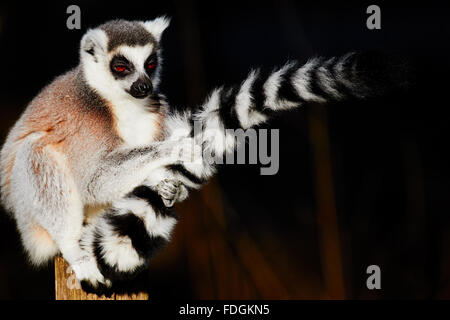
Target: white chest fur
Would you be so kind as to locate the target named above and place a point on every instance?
(135, 124)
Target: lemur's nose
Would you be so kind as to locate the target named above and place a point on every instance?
(141, 88)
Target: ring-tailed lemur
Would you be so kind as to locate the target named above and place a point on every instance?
(101, 135)
(87, 139)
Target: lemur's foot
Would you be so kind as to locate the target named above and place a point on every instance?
(100, 289)
(171, 191)
(86, 270)
(134, 285)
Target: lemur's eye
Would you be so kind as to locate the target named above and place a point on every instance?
(120, 68)
(151, 63)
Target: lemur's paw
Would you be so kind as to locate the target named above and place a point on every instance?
(183, 193)
(171, 191)
(100, 289)
(86, 270)
(125, 283)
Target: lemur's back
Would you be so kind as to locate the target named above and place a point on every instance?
(70, 121)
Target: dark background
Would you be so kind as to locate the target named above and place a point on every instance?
(359, 183)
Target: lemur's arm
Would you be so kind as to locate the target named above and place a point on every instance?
(123, 170)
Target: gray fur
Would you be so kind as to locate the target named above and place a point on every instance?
(123, 32)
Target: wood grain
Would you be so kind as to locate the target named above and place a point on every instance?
(67, 288)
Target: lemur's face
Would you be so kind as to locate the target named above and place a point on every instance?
(121, 59)
(134, 69)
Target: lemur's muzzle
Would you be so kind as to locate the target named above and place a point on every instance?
(141, 88)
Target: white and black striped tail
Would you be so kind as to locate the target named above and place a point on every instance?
(262, 94)
(320, 80)
(124, 238)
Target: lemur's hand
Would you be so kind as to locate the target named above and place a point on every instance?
(171, 191)
(184, 151)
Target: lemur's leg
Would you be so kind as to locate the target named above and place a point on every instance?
(37, 242)
(123, 170)
(46, 194)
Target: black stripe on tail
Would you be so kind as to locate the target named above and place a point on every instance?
(154, 200)
(227, 108)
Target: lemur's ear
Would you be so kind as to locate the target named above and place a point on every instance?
(157, 26)
(94, 43)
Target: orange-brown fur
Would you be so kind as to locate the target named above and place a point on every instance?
(69, 127)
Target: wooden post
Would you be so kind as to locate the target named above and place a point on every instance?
(66, 286)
